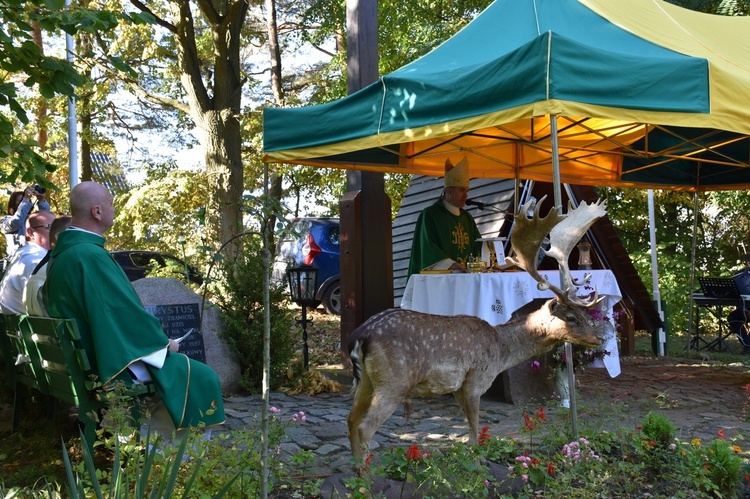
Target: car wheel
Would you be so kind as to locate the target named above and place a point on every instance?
(332, 298)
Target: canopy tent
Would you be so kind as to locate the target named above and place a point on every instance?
(646, 94)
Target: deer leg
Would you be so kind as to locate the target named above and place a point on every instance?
(360, 406)
(469, 403)
(383, 404)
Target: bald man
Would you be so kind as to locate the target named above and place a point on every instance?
(23, 262)
(123, 340)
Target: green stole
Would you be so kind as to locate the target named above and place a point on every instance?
(439, 234)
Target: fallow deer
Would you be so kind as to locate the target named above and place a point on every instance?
(399, 354)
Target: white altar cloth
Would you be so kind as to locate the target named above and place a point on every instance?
(494, 296)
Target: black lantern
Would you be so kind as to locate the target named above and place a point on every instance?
(303, 281)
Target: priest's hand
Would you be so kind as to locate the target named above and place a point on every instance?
(173, 346)
(457, 267)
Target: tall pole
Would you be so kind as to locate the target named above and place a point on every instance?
(661, 338)
(557, 191)
(72, 125)
(365, 209)
(266, 383)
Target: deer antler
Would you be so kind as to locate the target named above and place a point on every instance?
(528, 236)
(565, 235)
(565, 231)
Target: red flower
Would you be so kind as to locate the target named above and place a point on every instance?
(534, 461)
(484, 436)
(366, 468)
(528, 423)
(651, 443)
(413, 454)
(721, 434)
(551, 469)
(540, 414)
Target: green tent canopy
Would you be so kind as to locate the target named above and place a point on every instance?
(646, 94)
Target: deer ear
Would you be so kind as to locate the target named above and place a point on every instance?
(553, 304)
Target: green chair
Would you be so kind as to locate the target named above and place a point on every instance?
(23, 368)
(67, 370)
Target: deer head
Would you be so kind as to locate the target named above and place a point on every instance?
(564, 233)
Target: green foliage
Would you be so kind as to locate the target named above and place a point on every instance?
(452, 472)
(721, 240)
(21, 59)
(229, 464)
(241, 304)
(658, 429)
(154, 214)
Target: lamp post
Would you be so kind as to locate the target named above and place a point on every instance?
(303, 280)
(181, 241)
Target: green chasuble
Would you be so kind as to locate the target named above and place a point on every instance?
(85, 283)
(439, 234)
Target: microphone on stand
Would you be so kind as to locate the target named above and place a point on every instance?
(478, 204)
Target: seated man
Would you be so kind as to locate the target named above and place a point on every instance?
(85, 283)
(23, 262)
(446, 235)
(32, 292)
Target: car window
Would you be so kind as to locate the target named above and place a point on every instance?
(141, 259)
(174, 265)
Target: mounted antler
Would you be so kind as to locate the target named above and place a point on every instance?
(564, 232)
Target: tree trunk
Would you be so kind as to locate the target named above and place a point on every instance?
(217, 115)
(275, 178)
(225, 178)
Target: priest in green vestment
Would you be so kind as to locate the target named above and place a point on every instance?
(123, 340)
(446, 235)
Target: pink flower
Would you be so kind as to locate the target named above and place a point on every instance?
(525, 478)
(274, 409)
(535, 365)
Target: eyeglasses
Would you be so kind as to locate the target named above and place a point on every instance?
(48, 226)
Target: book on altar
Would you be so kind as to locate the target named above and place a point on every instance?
(493, 252)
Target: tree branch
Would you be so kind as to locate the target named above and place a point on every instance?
(161, 22)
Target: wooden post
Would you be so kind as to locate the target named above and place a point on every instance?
(366, 250)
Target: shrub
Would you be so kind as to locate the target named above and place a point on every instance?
(658, 429)
(241, 304)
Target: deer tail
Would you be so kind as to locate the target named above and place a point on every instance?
(356, 357)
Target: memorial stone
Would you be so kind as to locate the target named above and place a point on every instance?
(179, 310)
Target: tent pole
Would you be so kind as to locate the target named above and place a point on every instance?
(661, 340)
(568, 347)
(692, 273)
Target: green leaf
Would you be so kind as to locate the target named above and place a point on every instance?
(47, 90)
(140, 17)
(54, 4)
(121, 65)
(20, 111)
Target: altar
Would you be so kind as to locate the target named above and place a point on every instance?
(494, 296)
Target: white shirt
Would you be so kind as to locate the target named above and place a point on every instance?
(22, 264)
